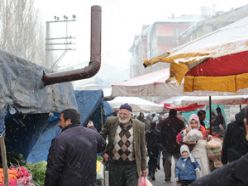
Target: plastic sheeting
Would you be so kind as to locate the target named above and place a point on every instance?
(91, 107)
(22, 131)
(22, 88)
(40, 149)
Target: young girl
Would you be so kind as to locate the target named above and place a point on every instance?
(186, 167)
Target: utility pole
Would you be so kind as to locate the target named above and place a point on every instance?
(64, 43)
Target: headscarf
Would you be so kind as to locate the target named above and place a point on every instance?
(196, 118)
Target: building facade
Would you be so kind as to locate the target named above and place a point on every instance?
(154, 40)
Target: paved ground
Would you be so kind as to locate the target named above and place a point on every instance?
(160, 178)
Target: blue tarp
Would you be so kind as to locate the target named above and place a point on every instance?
(22, 88)
(25, 105)
(91, 107)
(22, 131)
(39, 151)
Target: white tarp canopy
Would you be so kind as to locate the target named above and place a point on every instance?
(151, 84)
(204, 100)
(137, 104)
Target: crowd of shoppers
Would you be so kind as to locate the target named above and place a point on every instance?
(125, 143)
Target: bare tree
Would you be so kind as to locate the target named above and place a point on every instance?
(21, 32)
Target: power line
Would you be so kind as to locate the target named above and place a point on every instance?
(64, 43)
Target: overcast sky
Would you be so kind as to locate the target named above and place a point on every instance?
(122, 20)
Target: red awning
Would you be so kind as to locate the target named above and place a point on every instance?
(227, 65)
(185, 108)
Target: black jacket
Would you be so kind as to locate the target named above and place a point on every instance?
(153, 140)
(233, 174)
(72, 157)
(234, 144)
(169, 128)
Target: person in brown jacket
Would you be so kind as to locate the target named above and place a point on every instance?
(126, 148)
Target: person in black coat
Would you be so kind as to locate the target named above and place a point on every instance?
(232, 174)
(235, 142)
(72, 155)
(202, 116)
(153, 147)
(218, 124)
(169, 128)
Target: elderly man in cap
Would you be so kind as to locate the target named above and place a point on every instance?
(125, 151)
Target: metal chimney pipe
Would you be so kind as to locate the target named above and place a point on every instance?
(95, 55)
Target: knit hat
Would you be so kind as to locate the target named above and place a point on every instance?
(196, 118)
(184, 148)
(126, 106)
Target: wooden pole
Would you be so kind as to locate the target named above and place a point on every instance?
(4, 161)
(210, 114)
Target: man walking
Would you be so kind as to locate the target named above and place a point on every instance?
(153, 148)
(126, 151)
(170, 127)
(202, 116)
(235, 143)
(72, 155)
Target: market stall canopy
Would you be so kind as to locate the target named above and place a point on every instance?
(151, 84)
(215, 64)
(184, 108)
(137, 104)
(23, 91)
(204, 100)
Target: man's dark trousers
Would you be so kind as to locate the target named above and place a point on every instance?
(123, 174)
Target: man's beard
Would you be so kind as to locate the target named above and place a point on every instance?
(124, 120)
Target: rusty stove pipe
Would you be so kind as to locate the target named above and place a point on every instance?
(95, 55)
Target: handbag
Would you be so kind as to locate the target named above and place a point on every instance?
(143, 181)
(99, 170)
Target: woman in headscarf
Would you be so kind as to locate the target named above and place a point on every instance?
(190, 136)
(194, 135)
(194, 122)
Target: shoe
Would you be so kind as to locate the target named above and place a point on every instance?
(153, 177)
(158, 167)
